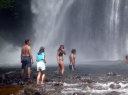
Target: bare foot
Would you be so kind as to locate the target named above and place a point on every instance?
(42, 83)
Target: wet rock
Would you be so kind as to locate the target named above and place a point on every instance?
(78, 93)
(31, 91)
(58, 84)
(48, 80)
(11, 94)
(98, 88)
(58, 89)
(34, 76)
(10, 78)
(113, 86)
(3, 77)
(21, 83)
(14, 84)
(86, 74)
(58, 93)
(78, 77)
(113, 93)
(86, 86)
(43, 91)
(2, 84)
(111, 74)
(1, 80)
(87, 80)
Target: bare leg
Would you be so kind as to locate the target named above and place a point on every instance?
(38, 77)
(29, 72)
(59, 68)
(43, 77)
(22, 73)
(62, 67)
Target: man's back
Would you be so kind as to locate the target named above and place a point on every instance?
(26, 50)
(71, 57)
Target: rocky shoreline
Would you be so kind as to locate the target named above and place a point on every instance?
(69, 84)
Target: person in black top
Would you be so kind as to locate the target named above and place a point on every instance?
(60, 53)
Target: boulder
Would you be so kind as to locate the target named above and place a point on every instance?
(111, 74)
(113, 93)
(87, 81)
(79, 93)
(31, 91)
(115, 86)
(58, 84)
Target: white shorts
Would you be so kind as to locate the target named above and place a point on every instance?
(41, 66)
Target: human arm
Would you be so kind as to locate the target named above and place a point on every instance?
(30, 54)
(21, 56)
(58, 56)
(74, 63)
(44, 59)
(63, 52)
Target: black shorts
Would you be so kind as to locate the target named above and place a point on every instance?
(71, 67)
(26, 61)
(126, 56)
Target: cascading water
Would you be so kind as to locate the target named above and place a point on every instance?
(112, 30)
(96, 28)
(47, 21)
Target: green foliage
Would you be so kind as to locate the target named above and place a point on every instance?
(7, 4)
(10, 5)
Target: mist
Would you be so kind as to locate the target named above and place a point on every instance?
(97, 29)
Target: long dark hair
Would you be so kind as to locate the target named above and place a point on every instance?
(41, 50)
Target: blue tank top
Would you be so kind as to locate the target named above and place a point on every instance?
(40, 57)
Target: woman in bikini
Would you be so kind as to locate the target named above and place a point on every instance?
(60, 53)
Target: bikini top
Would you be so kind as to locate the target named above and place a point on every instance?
(60, 54)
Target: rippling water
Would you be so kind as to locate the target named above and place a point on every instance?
(73, 83)
(103, 84)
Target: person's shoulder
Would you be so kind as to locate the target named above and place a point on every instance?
(42, 53)
(28, 47)
(23, 46)
(72, 55)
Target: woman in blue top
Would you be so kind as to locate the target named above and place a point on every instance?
(40, 58)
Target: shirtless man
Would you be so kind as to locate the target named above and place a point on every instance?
(126, 59)
(26, 58)
(72, 65)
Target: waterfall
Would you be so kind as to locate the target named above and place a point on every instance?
(96, 28)
(112, 29)
(47, 21)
